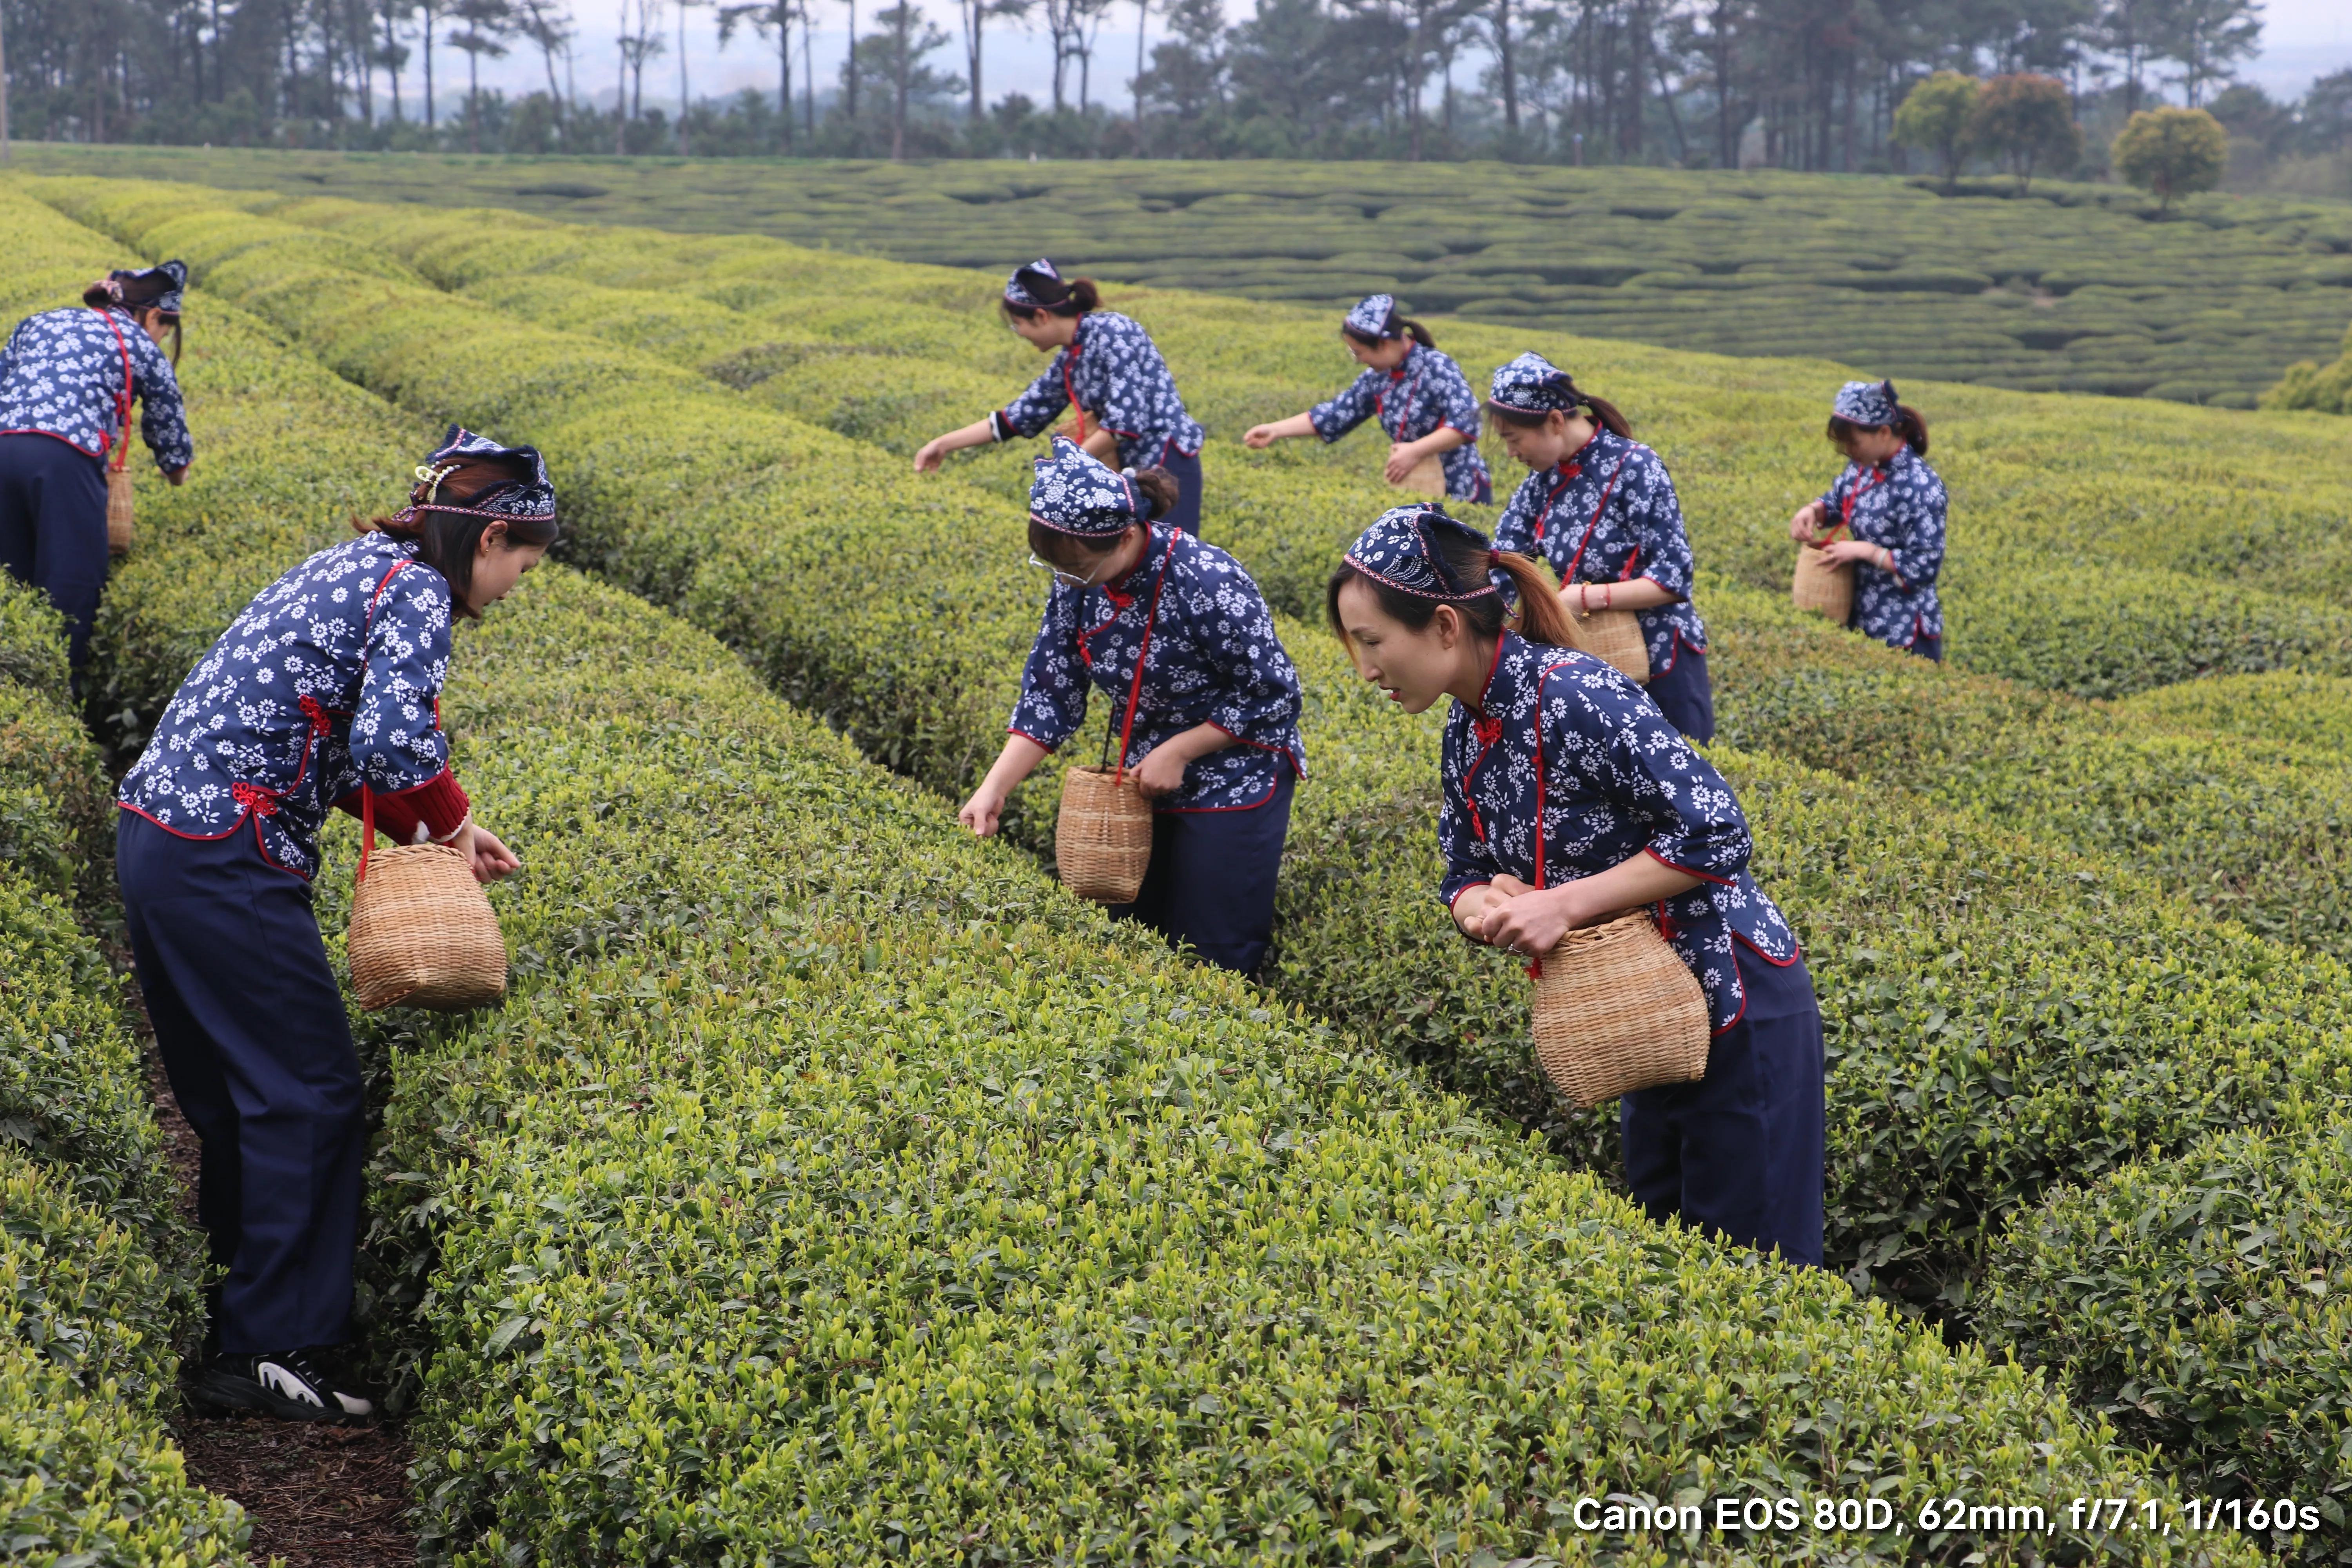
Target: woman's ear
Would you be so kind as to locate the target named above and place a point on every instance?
(495, 534)
(1448, 622)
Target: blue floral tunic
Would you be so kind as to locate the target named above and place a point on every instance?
(1609, 514)
(1617, 781)
(330, 676)
(1113, 371)
(63, 374)
(1214, 658)
(1425, 392)
(1899, 504)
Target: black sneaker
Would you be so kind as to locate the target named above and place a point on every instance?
(289, 1386)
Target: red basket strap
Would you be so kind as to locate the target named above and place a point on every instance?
(1135, 687)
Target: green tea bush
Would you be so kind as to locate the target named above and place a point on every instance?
(2200, 1301)
(833, 1186)
(2072, 287)
(1976, 984)
(2323, 388)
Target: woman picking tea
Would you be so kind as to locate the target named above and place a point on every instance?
(1107, 368)
(325, 689)
(1204, 701)
(1567, 799)
(1601, 508)
(1889, 507)
(1420, 396)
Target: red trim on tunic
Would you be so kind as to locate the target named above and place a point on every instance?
(1685, 870)
(100, 454)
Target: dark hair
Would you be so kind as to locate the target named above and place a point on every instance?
(1074, 298)
(1466, 558)
(1601, 409)
(1159, 491)
(138, 295)
(1405, 327)
(447, 540)
(1909, 423)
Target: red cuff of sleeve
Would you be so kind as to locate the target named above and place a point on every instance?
(1686, 870)
(394, 818)
(1463, 889)
(438, 803)
(1034, 740)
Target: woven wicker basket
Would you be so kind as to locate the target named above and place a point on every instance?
(118, 511)
(1615, 636)
(1102, 840)
(423, 934)
(1428, 479)
(1616, 1011)
(1820, 587)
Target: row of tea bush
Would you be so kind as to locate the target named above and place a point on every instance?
(831, 1185)
(2005, 1018)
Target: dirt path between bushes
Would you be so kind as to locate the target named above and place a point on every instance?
(336, 1497)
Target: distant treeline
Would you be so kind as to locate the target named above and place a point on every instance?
(1798, 84)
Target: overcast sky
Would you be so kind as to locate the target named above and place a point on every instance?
(2302, 40)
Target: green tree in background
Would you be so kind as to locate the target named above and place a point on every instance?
(2172, 152)
(2028, 122)
(1935, 117)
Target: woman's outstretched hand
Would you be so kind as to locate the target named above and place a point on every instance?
(490, 859)
(983, 812)
(1806, 521)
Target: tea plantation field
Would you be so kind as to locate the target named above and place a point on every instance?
(832, 1187)
(2074, 287)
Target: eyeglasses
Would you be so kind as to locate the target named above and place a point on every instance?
(1067, 579)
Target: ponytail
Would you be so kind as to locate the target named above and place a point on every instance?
(1159, 488)
(1912, 426)
(1416, 332)
(1542, 618)
(1055, 297)
(1606, 413)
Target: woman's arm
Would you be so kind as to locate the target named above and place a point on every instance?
(1639, 593)
(1161, 771)
(1403, 456)
(979, 433)
(1509, 914)
(985, 810)
(1257, 438)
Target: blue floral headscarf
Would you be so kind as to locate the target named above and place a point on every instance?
(1868, 403)
(1374, 316)
(1533, 385)
(1075, 494)
(1399, 549)
(173, 273)
(531, 498)
(1018, 289)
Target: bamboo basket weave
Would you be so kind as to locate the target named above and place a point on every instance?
(1616, 1011)
(1614, 636)
(423, 934)
(1102, 840)
(1428, 479)
(118, 511)
(1824, 589)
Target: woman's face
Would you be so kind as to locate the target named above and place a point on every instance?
(1384, 355)
(499, 566)
(1543, 445)
(1869, 444)
(1414, 668)
(154, 324)
(1044, 331)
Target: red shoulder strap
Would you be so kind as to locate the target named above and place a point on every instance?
(122, 458)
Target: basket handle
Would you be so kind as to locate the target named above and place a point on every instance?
(367, 830)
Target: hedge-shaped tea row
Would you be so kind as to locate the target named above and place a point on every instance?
(2087, 529)
(2201, 1302)
(1977, 981)
(90, 1318)
(831, 1184)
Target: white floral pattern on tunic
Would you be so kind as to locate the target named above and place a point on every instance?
(1426, 391)
(1609, 514)
(1617, 780)
(61, 375)
(1213, 659)
(1899, 504)
(1113, 371)
(322, 680)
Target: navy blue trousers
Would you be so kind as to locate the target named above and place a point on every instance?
(1739, 1154)
(1686, 696)
(53, 529)
(1927, 646)
(252, 1036)
(1211, 880)
(1186, 471)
